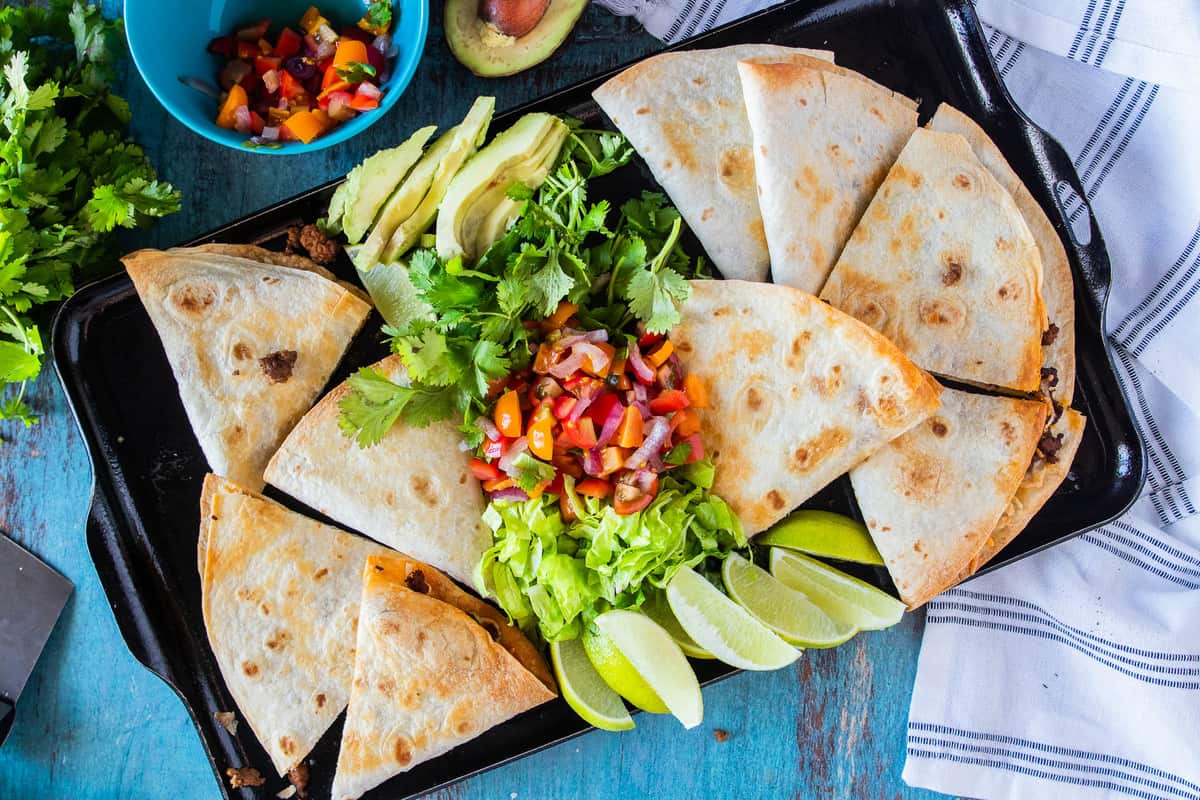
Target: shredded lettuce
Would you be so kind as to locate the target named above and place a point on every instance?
(555, 576)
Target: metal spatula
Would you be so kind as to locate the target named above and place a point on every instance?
(31, 598)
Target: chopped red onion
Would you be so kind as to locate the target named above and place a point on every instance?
(595, 337)
(581, 405)
(568, 366)
(368, 89)
(489, 428)
(270, 80)
(520, 445)
(592, 464)
(644, 479)
(270, 134)
(513, 493)
(639, 393)
(640, 368)
(660, 429)
(643, 409)
(382, 43)
(656, 463)
(595, 356)
(611, 423)
(241, 117)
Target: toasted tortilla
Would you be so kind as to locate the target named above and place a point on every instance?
(1058, 285)
(824, 138)
(943, 264)
(798, 392)
(265, 256)
(280, 600)
(251, 346)
(427, 677)
(684, 114)
(1041, 481)
(413, 491)
(933, 496)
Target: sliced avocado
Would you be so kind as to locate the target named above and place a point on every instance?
(368, 185)
(490, 54)
(499, 209)
(404, 200)
(470, 134)
(515, 155)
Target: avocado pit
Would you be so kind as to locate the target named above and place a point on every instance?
(513, 17)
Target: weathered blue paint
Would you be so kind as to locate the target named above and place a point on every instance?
(94, 724)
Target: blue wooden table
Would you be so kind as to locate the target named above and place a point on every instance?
(94, 724)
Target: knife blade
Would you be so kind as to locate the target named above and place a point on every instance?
(32, 596)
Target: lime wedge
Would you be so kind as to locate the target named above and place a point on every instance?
(726, 629)
(842, 596)
(658, 660)
(658, 609)
(621, 676)
(584, 689)
(784, 610)
(823, 533)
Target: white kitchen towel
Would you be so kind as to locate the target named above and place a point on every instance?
(1076, 672)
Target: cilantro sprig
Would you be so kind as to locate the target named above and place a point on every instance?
(563, 246)
(68, 174)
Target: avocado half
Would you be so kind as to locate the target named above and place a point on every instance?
(490, 54)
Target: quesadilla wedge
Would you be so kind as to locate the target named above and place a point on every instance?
(264, 256)
(1051, 463)
(683, 112)
(824, 138)
(427, 677)
(413, 491)
(1058, 286)
(251, 346)
(280, 600)
(943, 264)
(932, 497)
(764, 351)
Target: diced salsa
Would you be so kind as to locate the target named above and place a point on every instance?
(607, 416)
(304, 81)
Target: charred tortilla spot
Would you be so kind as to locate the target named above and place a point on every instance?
(278, 639)
(423, 489)
(194, 299)
(415, 581)
(803, 102)
(1003, 245)
(814, 451)
(249, 668)
(722, 311)
(241, 351)
(287, 745)
(389, 499)
(642, 111)
(938, 312)
(952, 269)
(1007, 432)
(736, 166)
(278, 366)
(753, 399)
(920, 477)
(776, 500)
(962, 181)
(755, 344)
(321, 573)
(265, 609)
(320, 700)
(706, 214)
(270, 280)
(939, 428)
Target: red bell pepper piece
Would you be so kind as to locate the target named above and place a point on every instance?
(257, 123)
(360, 103)
(289, 87)
(264, 64)
(601, 408)
(581, 434)
(563, 405)
(483, 470)
(496, 449)
(668, 401)
(288, 44)
(594, 487)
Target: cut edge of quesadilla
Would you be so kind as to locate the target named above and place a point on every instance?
(1040, 483)
(252, 252)
(427, 678)
(943, 264)
(1058, 283)
(761, 349)
(829, 65)
(931, 497)
(279, 608)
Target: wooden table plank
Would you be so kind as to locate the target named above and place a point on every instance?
(94, 724)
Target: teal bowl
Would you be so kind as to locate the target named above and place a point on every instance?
(169, 39)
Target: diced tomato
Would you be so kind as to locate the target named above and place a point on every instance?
(697, 451)
(248, 50)
(264, 64)
(648, 340)
(685, 422)
(696, 391)
(594, 487)
(660, 355)
(329, 98)
(629, 499)
(565, 508)
(563, 405)
(669, 401)
(288, 44)
(497, 484)
(556, 485)
(289, 87)
(601, 408)
(581, 434)
(624, 383)
(507, 415)
(224, 46)
(612, 459)
(496, 449)
(559, 317)
(541, 438)
(629, 432)
(483, 470)
(361, 103)
(256, 123)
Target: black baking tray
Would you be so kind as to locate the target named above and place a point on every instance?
(149, 468)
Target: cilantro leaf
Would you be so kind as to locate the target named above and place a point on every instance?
(379, 14)
(654, 289)
(355, 71)
(371, 406)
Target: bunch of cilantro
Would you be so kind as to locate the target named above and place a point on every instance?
(560, 248)
(69, 176)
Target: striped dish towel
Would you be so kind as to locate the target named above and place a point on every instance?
(1076, 672)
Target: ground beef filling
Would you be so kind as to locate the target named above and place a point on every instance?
(278, 365)
(310, 238)
(1049, 335)
(244, 776)
(416, 581)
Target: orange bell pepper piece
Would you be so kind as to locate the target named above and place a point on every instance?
(661, 354)
(350, 51)
(541, 438)
(507, 415)
(629, 432)
(685, 422)
(227, 116)
(306, 125)
(693, 386)
(560, 316)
